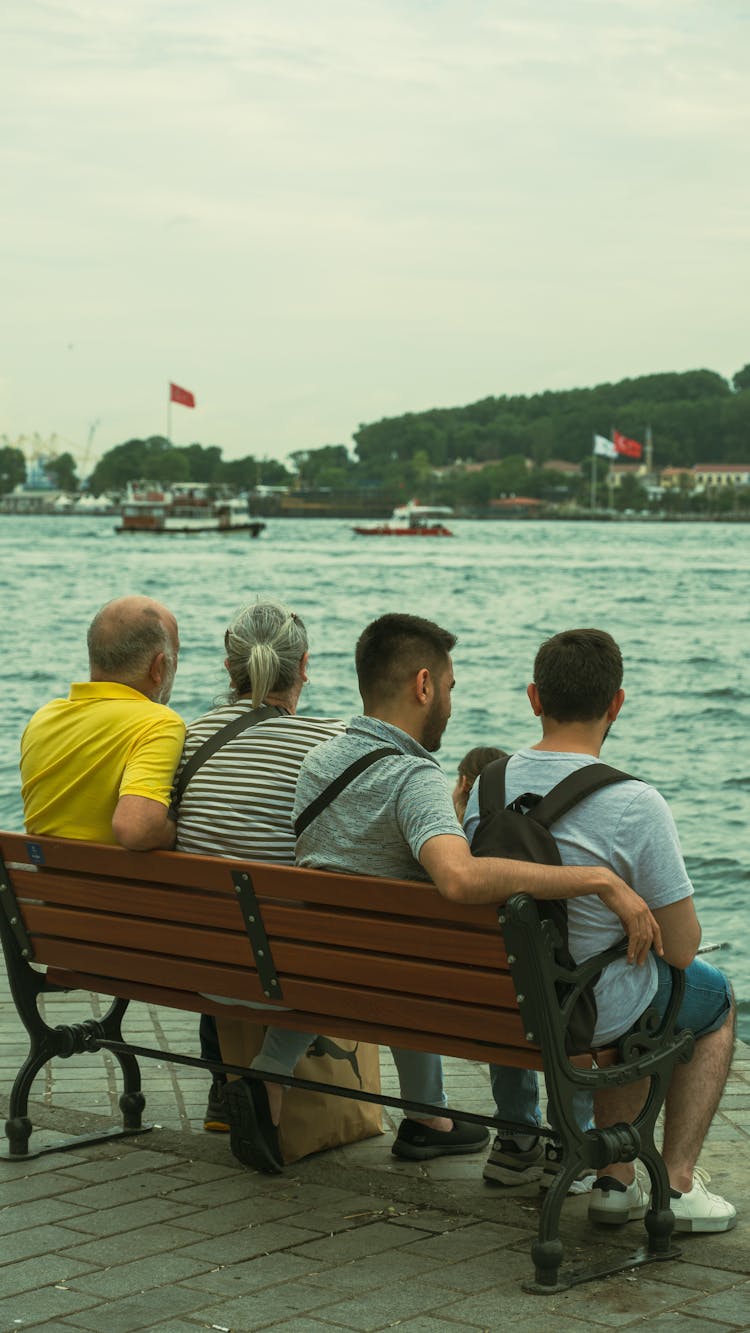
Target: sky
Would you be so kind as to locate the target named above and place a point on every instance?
(318, 213)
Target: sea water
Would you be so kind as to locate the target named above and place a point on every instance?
(675, 596)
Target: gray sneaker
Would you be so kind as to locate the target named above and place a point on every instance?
(508, 1164)
(582, 1183)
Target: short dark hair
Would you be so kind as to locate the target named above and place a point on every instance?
(476, 759)
(578, 674)
(393, 648)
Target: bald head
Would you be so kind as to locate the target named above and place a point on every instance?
(133, 641)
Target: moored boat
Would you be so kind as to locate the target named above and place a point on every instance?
(183, 508)
(412, 520)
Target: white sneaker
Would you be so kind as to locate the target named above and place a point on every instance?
(613, 1203)
(699, 1210)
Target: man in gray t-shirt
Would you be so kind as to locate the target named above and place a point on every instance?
(577, 694)
(397, 819)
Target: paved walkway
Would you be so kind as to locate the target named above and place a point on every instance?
(167, 1232)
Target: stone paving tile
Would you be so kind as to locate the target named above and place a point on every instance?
(478, 1273)
(364, 1274)
(387, 1305)
(126, 1189)
(697, 1277)
(34, 1240)
(37, 1212)
(42, 1186)
(471, 1240)
(125, 1245)
(349, 1213)
(426, 1219)
(111, 1221)
(270, 1304)
(355, 1244)
(49, 1303)
(14, 1170)
(141, 1311)
(731, 1305)
(41, 1271)
(248, 1243)
(124, 1163)
(433, 1324)
(622, 1300)
(244, 1213)
(682, 1322)
(140, 1275)
(223, 1190)
(265, 1271)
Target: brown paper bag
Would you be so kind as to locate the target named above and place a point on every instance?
(312, 1121)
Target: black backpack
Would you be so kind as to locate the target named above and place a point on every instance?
(520, 832)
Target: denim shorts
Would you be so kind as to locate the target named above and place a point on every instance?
(707, 999)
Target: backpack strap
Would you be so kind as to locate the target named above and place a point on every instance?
(567, 793)
(574, 788)
(491, 789)
(248, 718)
(330, 793)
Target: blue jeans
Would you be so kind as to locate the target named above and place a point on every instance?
(420, 1076)
(707, 999)
(516, 1094)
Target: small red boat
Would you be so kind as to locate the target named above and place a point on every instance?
(412, 520)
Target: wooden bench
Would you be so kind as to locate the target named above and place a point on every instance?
(385, 961)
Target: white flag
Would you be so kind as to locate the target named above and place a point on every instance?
(604, 447)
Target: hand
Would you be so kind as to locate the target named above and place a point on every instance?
(640, 924)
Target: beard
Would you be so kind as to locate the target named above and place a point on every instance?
(164, 692)
(434, 726)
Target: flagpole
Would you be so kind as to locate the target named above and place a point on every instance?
(169, 413)
(593, 475)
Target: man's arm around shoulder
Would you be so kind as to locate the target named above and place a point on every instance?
(464, 878)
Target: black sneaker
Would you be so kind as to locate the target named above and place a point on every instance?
(417, 1142)
(508, 1164)
(216, 1119)
(254, 1137)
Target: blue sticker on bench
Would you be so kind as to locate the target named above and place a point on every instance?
(36, 855)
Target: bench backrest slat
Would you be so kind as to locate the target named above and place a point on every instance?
(469, 1048)
(354, 966)
(212, 875)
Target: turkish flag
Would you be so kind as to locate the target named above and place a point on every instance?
(627, 448)
(184, 396)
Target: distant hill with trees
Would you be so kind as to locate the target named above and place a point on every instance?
(695, 417)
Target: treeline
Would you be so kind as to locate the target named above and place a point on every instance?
(156, 459)
(695, 417)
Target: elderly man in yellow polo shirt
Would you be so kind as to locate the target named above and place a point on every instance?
(99, 765)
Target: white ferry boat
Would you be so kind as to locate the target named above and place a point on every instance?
(184, 507)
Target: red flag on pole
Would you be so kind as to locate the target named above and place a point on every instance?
(625, 447)
(178, 395)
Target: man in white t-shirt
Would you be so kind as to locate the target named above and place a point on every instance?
(577, 694)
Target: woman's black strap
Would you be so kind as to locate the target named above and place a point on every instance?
(245, 719)
(330, 793)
